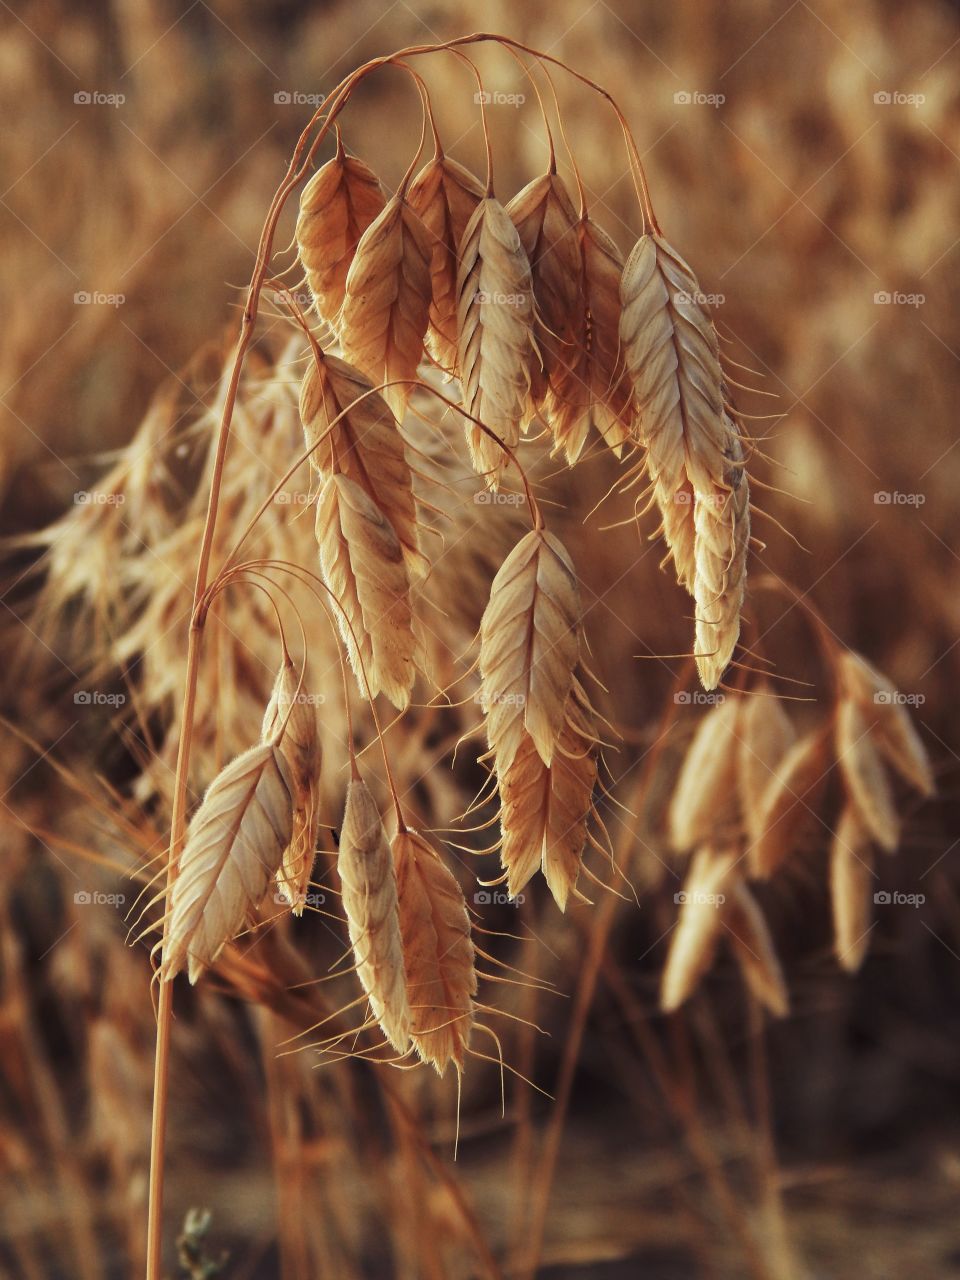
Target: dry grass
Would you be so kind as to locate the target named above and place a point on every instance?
(779, 802)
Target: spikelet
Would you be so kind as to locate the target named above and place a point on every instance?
(753, 948)
(337, 205)
(544, 809)
(365, 445)
(495, 345)
(671, 351)
(890, 724)
(444, 195)
(387, 301)
(546, 222)
(865, 776)
(786, 807)
(722, 535)
(369, 887)
(233, 849)
(698, 930)
(704, 802)
(610, 391)
(438, 952)
(292, 715)
(529, 646)
(362, 563)
(851, 878)
(676, 508)
(766, 735)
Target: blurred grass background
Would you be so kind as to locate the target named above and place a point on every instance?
(798, 199)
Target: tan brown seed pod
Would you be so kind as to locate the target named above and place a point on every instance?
(337, 205)
(544, 809)
(365, 445)
(704, 802)
(546, 221)
(722, 535)
(290, 722)
(786, 808)
(606, 374)
(444, 195)
(851, 883)
(671, 351)
(529, 647)
(363, 565)
(495, 346)
(369, 888)
(891, 726)
(679, 531)
(753, 948)
(387, 301)
(766, 735)
(695, 938)
(438, 952)
(865, 775)
(233, 850)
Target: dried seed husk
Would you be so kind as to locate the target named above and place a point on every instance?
(671, 351)
(752, 945)
(722, 536)
(370, 902)
(387, 301)
(495, 344)
(704, 802)
(865, 775)
(337, 205)
(546, 222)
(233, 849)
(610, 390)
(851, 882)
(444, 195)
(697, 933)
(545, 809)
(365, 445)
(363, 565)
(787, 807)
(891, 725)
(438, 952)
(766, 735)
(529, 647)
(290, 722)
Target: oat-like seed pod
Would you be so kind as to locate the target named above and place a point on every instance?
(292, 714)
(722, 536)
(695, 938)
(444, 195)
(704, 802)
(610, 389)
(365, 445)
(865, 776)
(671, 351)
(766, 735)
(495, 346)
(438, 952)
(753, 948)
(336, 207)
(786, 805)
(529, 647)
(851, 880)
(362, 563)
(891, 727)
(369, 886)
(386, 307)
(546, 222)
(233, 849)
(544, 809)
